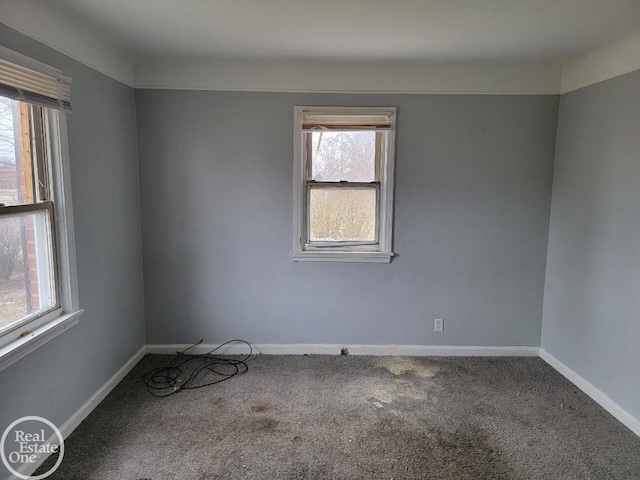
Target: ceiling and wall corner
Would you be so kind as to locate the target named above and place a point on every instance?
(100, 36)
(70, 36)
(613, 60)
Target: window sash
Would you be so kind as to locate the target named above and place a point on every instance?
(312, 184)
(34, 157)
(9, 211)
(15, 210)
(28, 325)
(37, 127)
(308, 154)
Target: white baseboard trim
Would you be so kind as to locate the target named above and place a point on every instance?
(443, 351)
(83, 412)
(334, 349)
(594, 392)
(72, 423)
(239, 348)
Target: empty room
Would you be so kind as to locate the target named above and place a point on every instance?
(296, 239)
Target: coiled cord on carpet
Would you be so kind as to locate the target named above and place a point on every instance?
(187, 371)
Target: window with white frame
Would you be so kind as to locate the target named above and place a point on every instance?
(38, 286)
(343, 183)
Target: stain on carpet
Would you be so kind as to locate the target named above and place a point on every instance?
(419, 452)
(408, 366)
(253, 425)
(261, 407)
(388, 392)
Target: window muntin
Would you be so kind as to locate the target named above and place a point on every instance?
(343, 183)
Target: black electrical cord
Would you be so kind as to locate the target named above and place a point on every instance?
(187, 371)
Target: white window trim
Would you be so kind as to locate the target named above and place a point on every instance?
(383, 253)
(15, 345)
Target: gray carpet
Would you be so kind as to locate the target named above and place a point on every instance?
(332, 417)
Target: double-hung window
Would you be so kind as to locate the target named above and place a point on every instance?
(38, 286)
(343, 183)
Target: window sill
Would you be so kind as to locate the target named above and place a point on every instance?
(350, 257)
(14, 351)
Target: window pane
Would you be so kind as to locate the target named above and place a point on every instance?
(16, 172)
(342, 214)
(348, 156)
(27, 283)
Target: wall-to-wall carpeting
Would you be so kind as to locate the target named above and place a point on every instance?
(338, 417)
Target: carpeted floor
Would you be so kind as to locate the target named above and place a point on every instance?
(346, 417)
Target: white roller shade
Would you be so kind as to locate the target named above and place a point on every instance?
(28, 80)
(348, 121)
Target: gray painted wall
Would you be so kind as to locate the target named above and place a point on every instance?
(473, 192)
(592, 292)
(58, 378)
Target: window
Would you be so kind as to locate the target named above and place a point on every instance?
(343, 183)
(38, 286)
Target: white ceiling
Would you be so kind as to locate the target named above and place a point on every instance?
(367, 30)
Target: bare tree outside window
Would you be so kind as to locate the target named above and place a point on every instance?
(13, 302)
(343, 156)
(7, 137)
(9, 151)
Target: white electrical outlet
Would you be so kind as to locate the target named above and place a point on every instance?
(438, 325)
